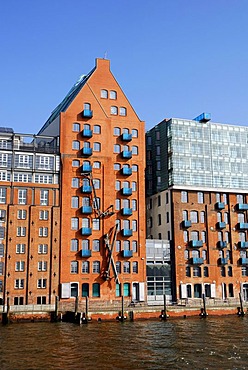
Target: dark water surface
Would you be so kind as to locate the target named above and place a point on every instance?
(212, 343)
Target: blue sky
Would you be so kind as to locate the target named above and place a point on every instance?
(173, 58)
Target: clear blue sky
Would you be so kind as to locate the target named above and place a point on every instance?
(173, 58)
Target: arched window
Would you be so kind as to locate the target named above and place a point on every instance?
(241, 217)
(75, 145)
(123, 111)
(74, 267)
(114, 110)
(117, 148)
(96, 267)
(87, 106)
(185, 215)
(97, 147)
(104, 94)
(202, 217)
(219, 217)
(194, 235)
(85, 267)
(186, 254)
(74, 245)
(194, 217)
(113, 94)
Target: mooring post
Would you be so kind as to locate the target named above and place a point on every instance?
(122, 307)
(241, 312)
(86, 306)
(56, 314)
(76, 306)
(165, 313)
(203, 312)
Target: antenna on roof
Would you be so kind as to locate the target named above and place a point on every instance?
(105, 55)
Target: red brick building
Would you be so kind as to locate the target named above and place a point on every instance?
(102, 195)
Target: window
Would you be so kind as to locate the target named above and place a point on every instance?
(117, 131)
(134, 150)
(75, 145)
(42, 265)
(200, 197)
(104, 94)
(85, 290)
(194, 235)
(74, 182)
(2, 214)
(159, 219)
(205, 271)
(134, 246)
(135, 267)
(117, 148)
(22, 196)
(185, 236)
(134, 133)
(18, 301)
(134, 225)
(187, 271)
(85, 245)
(223, 271)
(118, 267)
(44, 197)
(75, 163)
(96, 147)
(134, 168)
(123, 111)
(126, 267)
(41, 300)
(113, 94)
(96, 164)
(85, 267)
(44, 162)
(96, 267)
(117, 185)
(74, 223)
(240, 198)
(41, 283)
(196, 271)
(20, 248)
(19, 284)
(87, 106)
(229, 271)
(96, 245)
(96, 129)
(74, 202)
(97, 183)
(194, 217)
(184, 197)
(202, 217)
(117, 204)
(114, 110)
(74, 267)
(203, 236)
(43, 215)
(21, 231)
(43, 231)
(1, 268)
(96, 290)
(76, 127)
(134, 186)
(96, 224)
(74, 245)
(21, 214)
(42, 248)
(134, 204)
(126, 289)
(118, 245)
(117, 166)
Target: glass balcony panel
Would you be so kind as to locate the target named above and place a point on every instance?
(127, 254)
(86, 253)
(87, 133)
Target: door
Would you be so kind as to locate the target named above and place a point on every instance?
(135, 292)
(245, 292)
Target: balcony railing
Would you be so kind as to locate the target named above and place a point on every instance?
(127, 191)
(87, 113)
(127, 232)
(87, 133)
(221, 244)
(186, 224)
(196, 261)
(242, 226)
(242, 245)
(126, 137)
(86, 231)
(219, 205)
(86, 253)
(196, 243)
(87, 152)
(241, 207)
(220, 225)
(86, 210)
(126, 154)
(86, 168)
(127, 253)
(86, 189)
(127, 171)
(127, 211)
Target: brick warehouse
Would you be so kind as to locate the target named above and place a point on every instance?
(102, 196)
(196, 180)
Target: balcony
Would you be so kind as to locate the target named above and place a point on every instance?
(186, 224)
(87, 113)
(127, 232)
(87, 152)
(126, 154)
(241, 207)
(86, 168)
(196, 261)
(196, 243)
(221, 244)
(127, 191)
(220, 225)
(86, 210)
(127, 254)
(86, 253)
(127, 211)
(219, 206)
(243, 261)
(242, 226)
(222, 261)
(87, 133)
(243, 245)
(86, 231)
(86, 189)
(127, 171)
(126, 137)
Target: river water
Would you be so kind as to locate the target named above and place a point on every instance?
(192, 343)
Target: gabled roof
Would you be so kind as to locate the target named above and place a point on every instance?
(68, 99)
